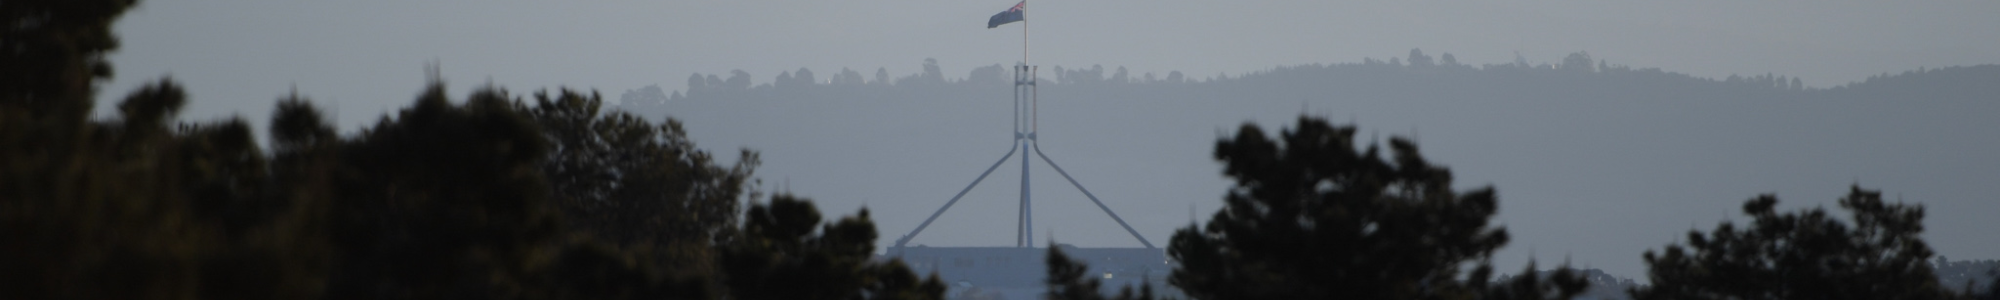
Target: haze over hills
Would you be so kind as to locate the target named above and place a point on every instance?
(1592, 159)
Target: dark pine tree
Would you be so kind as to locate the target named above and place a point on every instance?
(1067, 281)
(1314, 217)
(1802, 255)
(779, 256)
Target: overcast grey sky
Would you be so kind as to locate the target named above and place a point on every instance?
(365, 58)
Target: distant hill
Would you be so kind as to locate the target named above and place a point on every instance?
(1368, 79)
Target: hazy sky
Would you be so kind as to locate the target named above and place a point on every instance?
(364, 58)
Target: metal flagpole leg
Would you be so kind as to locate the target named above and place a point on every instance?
(1025, 236)
(1093, 198)
(954, 199)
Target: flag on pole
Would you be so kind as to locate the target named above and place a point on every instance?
(1010, 16)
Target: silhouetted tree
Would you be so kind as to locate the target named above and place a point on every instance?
(1531, 285)
(1992, 288)
(1579, 62)
(297, 126)
(436, 201)
(1802, 255)
(649, 95)
(696, 85)
(1312, 217)
(784, 81)
(441, 201)
(54, 53)
(804, 78)
(780, 257)
(588, 269)
(141, 206)
(1067, 281)
(738, 80)
(848, 77)
(623, 179)
(1418, 59)
(138, 207)
(932, 73)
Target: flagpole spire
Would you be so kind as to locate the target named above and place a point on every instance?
(1034, 114)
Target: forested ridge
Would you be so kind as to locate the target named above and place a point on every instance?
(1577, 75)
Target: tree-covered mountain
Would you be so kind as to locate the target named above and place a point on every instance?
(1578, 75)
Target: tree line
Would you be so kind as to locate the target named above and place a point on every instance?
(1575, 75)
(550, 196)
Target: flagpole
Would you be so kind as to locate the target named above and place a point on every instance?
(1027, 211)
(1034, 114)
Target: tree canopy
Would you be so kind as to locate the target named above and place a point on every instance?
(781, 257)
(1802, 255)
(1314, 217)
(1068, 280)
(487, 197)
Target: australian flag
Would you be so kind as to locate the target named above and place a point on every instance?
(1010, 16)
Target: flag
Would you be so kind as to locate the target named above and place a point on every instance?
(1010, 16)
